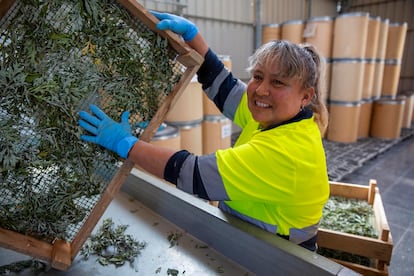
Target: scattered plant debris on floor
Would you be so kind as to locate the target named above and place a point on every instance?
(173, 238)
(112, 246)
(35, 266)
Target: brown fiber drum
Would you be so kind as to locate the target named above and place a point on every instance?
(343, 122)
(347, 78)
(189, 105)
(191, 136)
(226, 59)
(374, 24)
(380, 59)
(368, 81)
(395, 41)
(391, 78)
(365, 118)
(382, 39)
(216, 133)
(387, 116)
(328, 74)
(167, 137)
(350, 35)
(378, 78)
(270, 32)
(319, 32)
(408, 109)
(292, 30)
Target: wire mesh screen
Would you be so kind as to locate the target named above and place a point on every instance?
(57, 57)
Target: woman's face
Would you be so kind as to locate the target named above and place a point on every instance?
(272, 99)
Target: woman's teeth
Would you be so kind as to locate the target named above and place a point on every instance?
(260, 104)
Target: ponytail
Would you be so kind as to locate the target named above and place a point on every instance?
(317, 104)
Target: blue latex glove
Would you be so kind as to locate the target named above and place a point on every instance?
(106, 132)
(179, 25)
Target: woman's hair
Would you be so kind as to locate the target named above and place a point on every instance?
(300, 61)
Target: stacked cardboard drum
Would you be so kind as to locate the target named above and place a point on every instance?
(194, 122)
(368, 77)
(187, 116)
(379, 59)
(347, 76)
(388, 111)
(270, 32)
(363, 63)
(167, 136)
(408, 116)
(292, 30)
(318, 31)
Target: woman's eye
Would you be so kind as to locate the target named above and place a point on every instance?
(257, 77)
(277, 83)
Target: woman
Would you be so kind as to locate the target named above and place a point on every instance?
(275, 176)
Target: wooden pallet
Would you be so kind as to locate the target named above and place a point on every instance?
(60, 253)
(379, 249)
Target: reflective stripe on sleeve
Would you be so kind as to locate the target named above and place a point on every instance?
(233, 99)
(211, 177)
(207, 178)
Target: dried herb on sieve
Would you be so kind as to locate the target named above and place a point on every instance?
(57, 57)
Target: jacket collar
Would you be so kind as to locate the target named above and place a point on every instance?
(305, 113)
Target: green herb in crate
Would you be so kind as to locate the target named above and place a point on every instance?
(350, 216)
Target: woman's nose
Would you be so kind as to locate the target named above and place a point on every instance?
(262, 89)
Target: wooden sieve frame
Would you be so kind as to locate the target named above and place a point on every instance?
(60, 253)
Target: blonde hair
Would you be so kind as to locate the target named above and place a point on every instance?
(301, 61)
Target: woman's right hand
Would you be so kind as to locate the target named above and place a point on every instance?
(177, 24)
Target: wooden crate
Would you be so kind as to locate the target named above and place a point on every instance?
(379, 250)
(60, 253)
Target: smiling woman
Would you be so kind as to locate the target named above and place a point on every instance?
(275, 175)
(284, 80)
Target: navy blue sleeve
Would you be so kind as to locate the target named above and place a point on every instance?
(211, 70)
(198, 185)
(173, 168)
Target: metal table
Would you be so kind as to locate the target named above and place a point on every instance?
(211, 242)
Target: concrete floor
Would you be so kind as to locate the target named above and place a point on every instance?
(394, 172)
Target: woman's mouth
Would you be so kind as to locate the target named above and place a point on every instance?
(261, 104)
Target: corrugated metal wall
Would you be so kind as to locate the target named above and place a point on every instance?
(397, 11)
(283, 10)
(228, 28)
